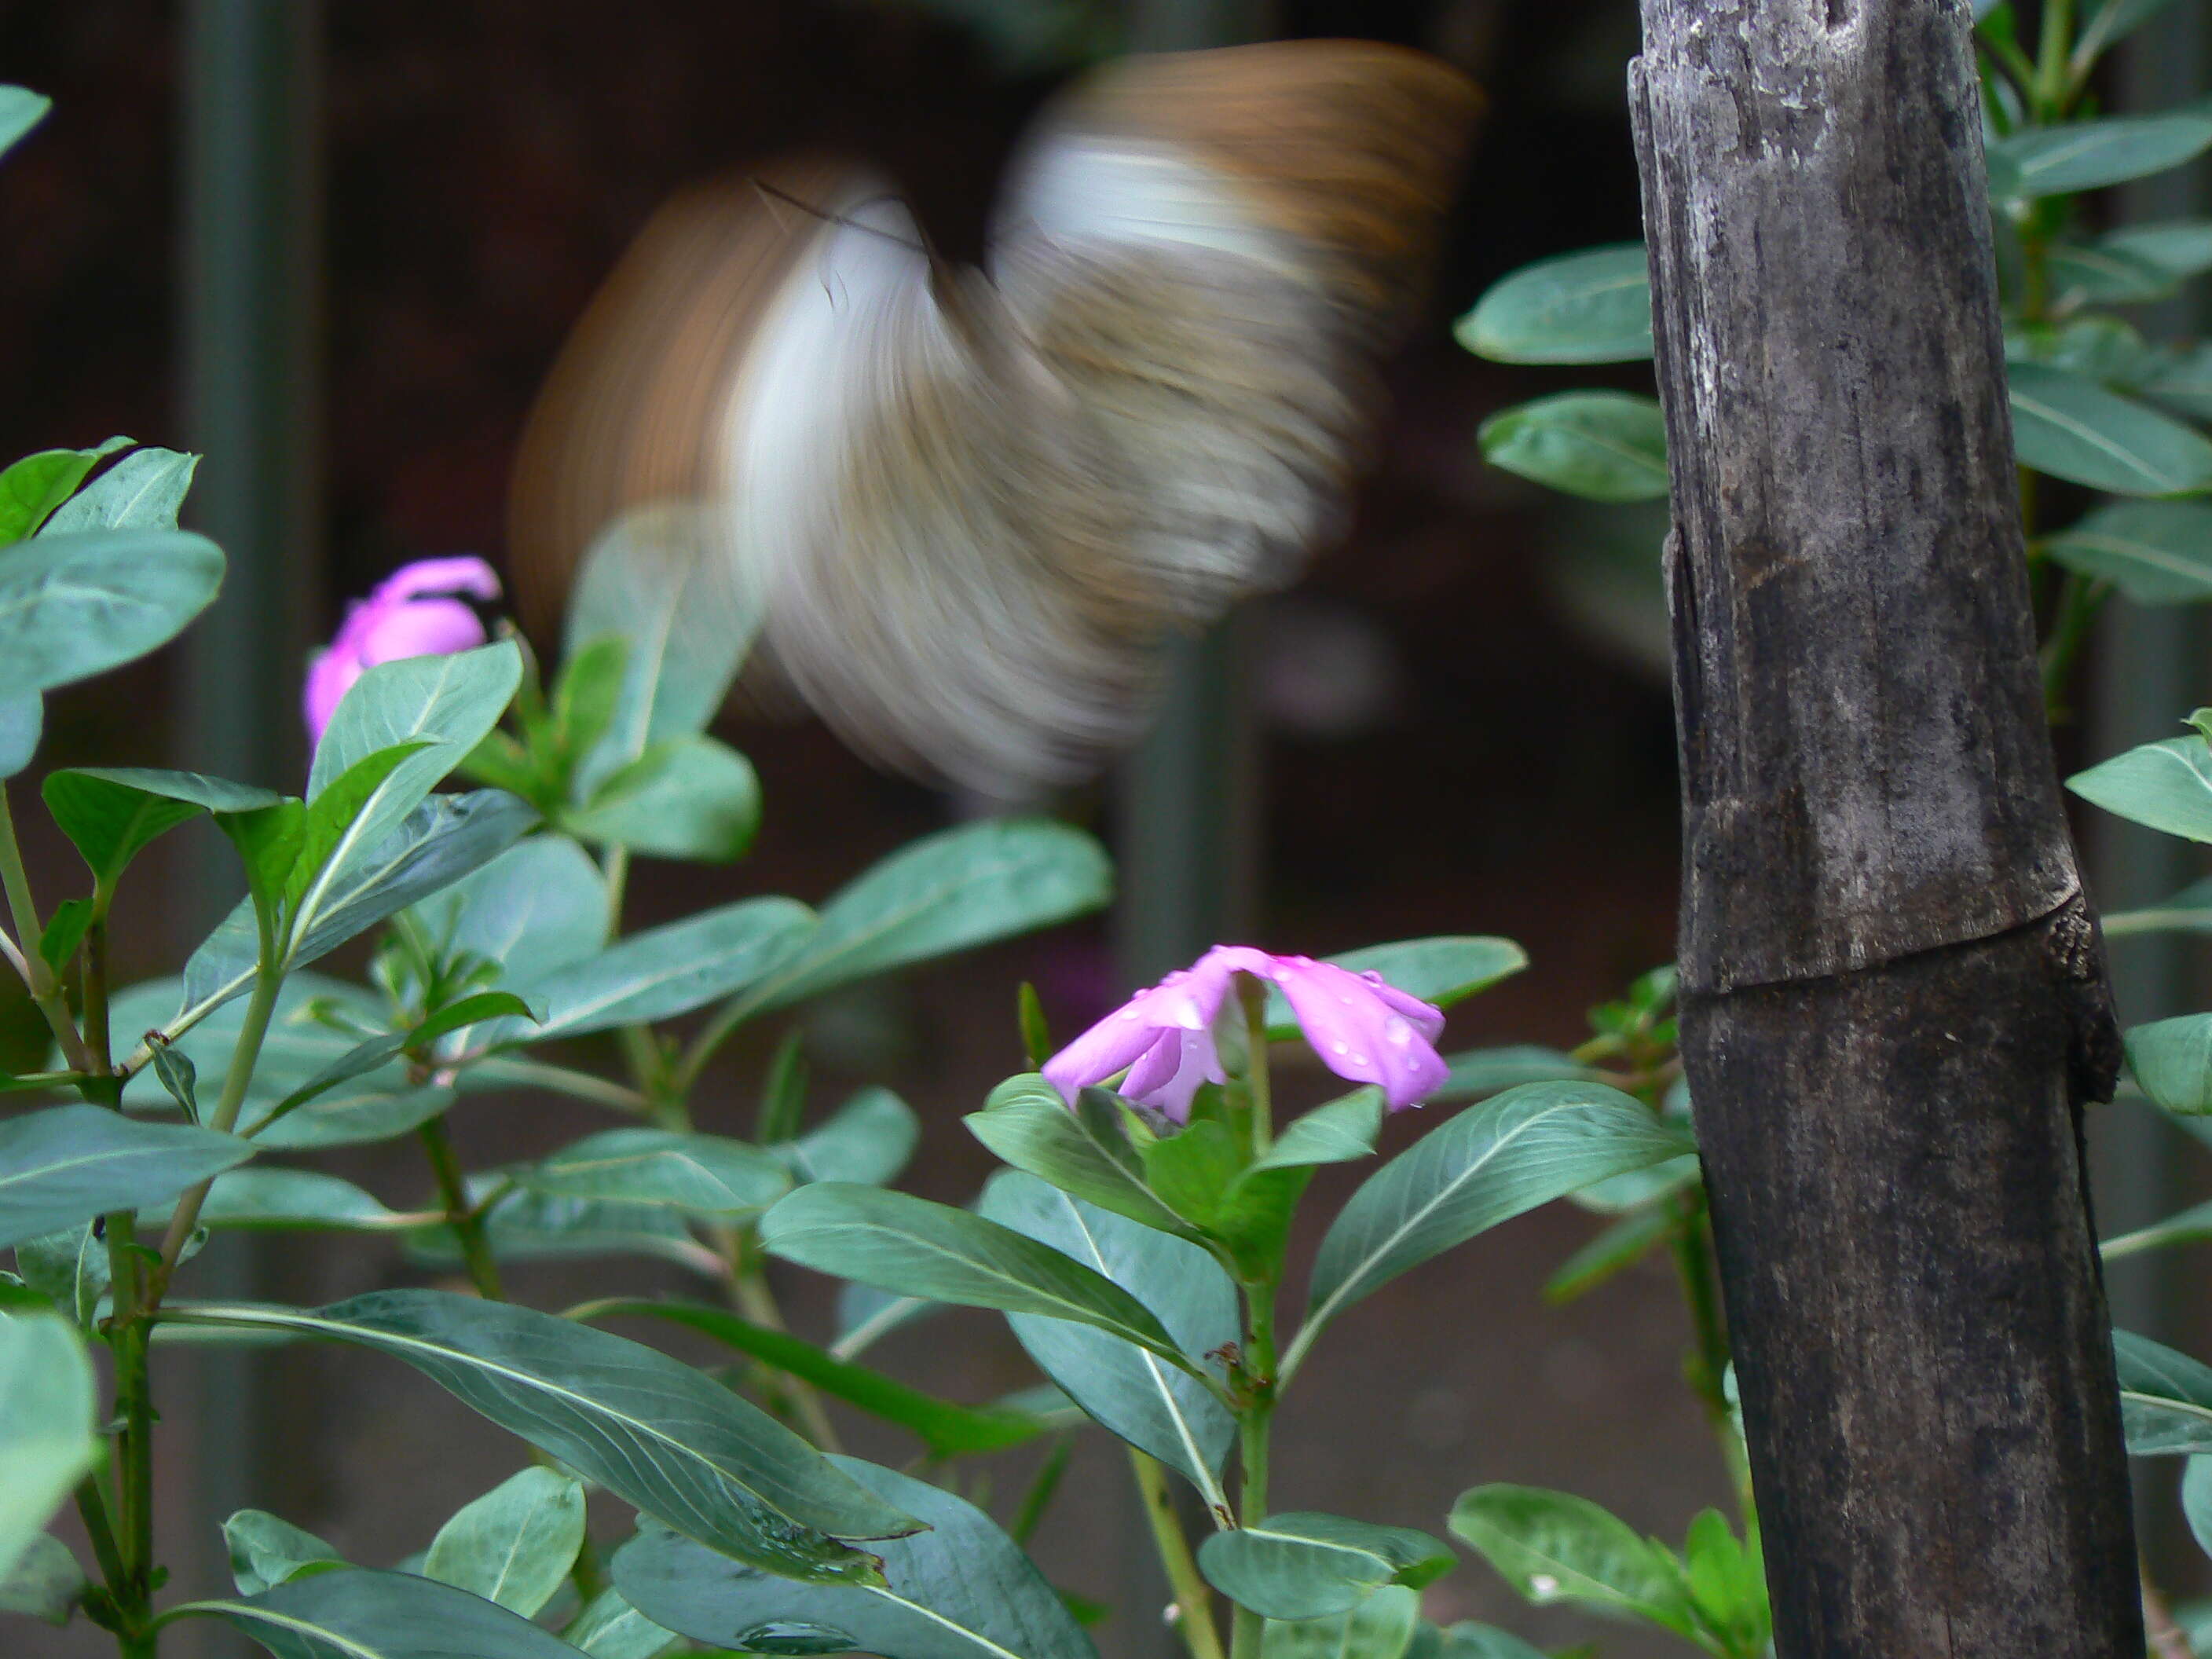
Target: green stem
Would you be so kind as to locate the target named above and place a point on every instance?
(132, 1587)
(562, 1080)
(1709, 1361)
(1254, 996)
(2052, 59)
(96, 1044)
(91, 1509)
(1193, 1600)
(1255, 1422)
(1039, 1498)
(2078, 604)
(749, 1292)
(463, 1217)
(38, 978)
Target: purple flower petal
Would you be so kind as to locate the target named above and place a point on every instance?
(465, 574)
(1169, 1072)
(420, 627)
(1362, 1036)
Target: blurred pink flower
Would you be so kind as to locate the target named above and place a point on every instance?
(1362, 1027)
(412, 613)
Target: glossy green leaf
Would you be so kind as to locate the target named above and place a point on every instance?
(20, 109)
(1491, 1162)
(31, 488)
(946, 892)
(22, 716)
(2102, 274)
(64, 931)
(2180, 247)
(1299, 1565)
(2073, 428)
(268, 1197)
(143, 491)
(1343, 1130)
(540, 907)
(947, 1429)
(694, 1174)
(2180, 378)
(69, 1269)
(662, 578)
(897, 1241)
(961, 1590)
(1727, 1582)
(1443, 970)
(610, 1628)
(1604, 446)
(353, 1613)
(2172, 1060)
(1167, 1414)
(111, 814)
(2111, 22)
(515, 1544)
(527, 1227)
(2090, 155)
(2095, 346)
(63, 1165)
(1592, 306)
(376, 1053)
(74, 606)
(44, 1582)
(1554, 1546)
(2192, 1226)
(48, 1436)
(2155, 552)
(265, 1552)
(2197, 1500)
(1633, 1190)
(2166, 1398)
(586, 697)
(1085, 1151)
(1621, 1246)
(1381, 1627)
(689, 797)
(869, 1140)
(1468, 1640)
(1479, 1072)
(2166, 785)
(656, 1433)
(664, 971)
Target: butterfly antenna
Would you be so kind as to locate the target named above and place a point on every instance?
(912, 245)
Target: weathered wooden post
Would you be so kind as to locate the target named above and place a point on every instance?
(1895, 1002)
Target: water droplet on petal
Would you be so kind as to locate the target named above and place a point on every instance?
(1397, 1031)
(1340, 1048)
(1358, 1059)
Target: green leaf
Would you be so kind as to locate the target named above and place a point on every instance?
(2192, 1226)
(1553, 1546)
(1085, 1151)
(2196, 1500)
(2180, 378)
(2112, 21)
(69, 1269)
(74, 606)
(900, 1242)
(111, 814)
(1728, 1584)
(2090, 155)
(2072, 428)
(654, 1432)
(1299, 1565)
(379, 1052)
(34, 487)
(2095, 346)
(21, 714)
(538, 907)
(946, 892)
(1339, 1132)
(947, 1429)
(2180, 247)
(143, 491)
(1468, 1640)
(1480, 1072)
(47, 1434)
(1491, 1162)
(2155, 552)
(1605, 445)
(527, 1227)
(2172, 1060)
(687, 796)
(610, 1628)
(265, 1552)
(1380, 1627)
(586, 697)
(961, 1590)
(1443, 970)
(353, 1613)
(20, 109)
(265, 1197)
(45, 1582)
(2165, 784)
(2166, 1398)
(664, 971)
(693, 1174)
(662, 578)
(60, 1166)
(1169, 1414)
(335, 824)
(2103, 274)
(515, 1544)
(1592, 306)
(869, 1140)
(64, 931)
(1621, 1246)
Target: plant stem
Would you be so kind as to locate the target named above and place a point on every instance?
(463, 1217)
(2079, 601)
(1255, 1421)
(2053, 58)
(1253, 997)
(91, 1509)
(132, 1543)
(563, 1079)
(1193, 1600)
(38, 978)
(750, 1291)
(1708, 1366)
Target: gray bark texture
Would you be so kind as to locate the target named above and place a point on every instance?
(1895, 1002)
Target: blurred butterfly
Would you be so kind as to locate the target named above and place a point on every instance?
(976, 498)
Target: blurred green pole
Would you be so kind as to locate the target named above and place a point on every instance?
(252, 183)
(2150, 669)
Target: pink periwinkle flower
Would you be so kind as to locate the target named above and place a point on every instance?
(1362, 1027)
(412, 613)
